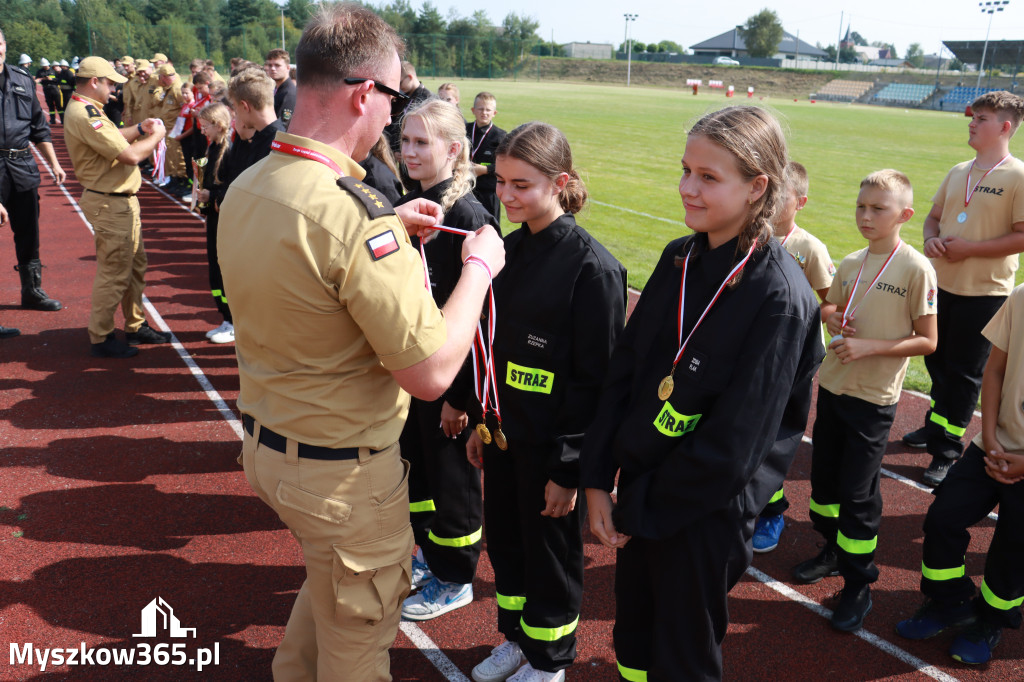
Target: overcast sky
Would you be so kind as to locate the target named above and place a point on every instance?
(900, 22)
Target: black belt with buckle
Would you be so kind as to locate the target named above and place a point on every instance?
(15, 153)
(112, 194)
(276, 441)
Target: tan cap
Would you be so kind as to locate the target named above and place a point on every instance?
(126, 60)
(166, 70)
(142, 65)
(159, 57)
(98, 67)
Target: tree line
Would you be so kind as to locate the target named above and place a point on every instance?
(221, 29)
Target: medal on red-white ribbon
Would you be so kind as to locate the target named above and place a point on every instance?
(969, 191)
(849, 311)
(667, 385)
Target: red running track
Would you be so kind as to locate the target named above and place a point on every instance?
(119, 484)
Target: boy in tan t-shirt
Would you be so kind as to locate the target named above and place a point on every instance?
(973, 235)
(886, 313)
(989, 473)
(812, 257)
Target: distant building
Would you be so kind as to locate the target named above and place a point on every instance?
(730, 44)
(588, 50)
(869, 52)
(891, 63)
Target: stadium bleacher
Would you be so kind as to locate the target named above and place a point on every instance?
(843, 90)
(905, 93)
(959, 97)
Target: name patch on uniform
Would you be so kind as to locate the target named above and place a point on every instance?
(673, 424)
(384, 244)
(529, 379)
(899, 291)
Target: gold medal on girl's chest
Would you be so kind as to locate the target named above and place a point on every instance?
(499, 439)
(666, 387)
(484, 433)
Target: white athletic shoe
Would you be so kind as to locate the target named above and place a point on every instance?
(421, 573)
(436, 599)
(501, 664)
(530, 674)
(226, 336)
(224, 326)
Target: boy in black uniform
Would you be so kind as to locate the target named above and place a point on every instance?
(47, 76)
(484, 138)
(989, 473)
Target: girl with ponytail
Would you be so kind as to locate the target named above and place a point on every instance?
(705, 404)
(444, 489)
(561, 303)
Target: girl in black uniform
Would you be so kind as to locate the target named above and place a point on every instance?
(560, 304)
(704, 406)
(444, 489)
(215, 124)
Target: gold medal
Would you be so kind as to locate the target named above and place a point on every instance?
(499, 439)
(665, 387)
(484, 433)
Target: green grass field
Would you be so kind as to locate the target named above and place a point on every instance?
(628, 144)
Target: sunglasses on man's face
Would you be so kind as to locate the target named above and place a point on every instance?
(399, 100)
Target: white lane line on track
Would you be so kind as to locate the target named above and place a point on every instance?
(419, 638)
(432, 652)
(914, 662)
(642, 215)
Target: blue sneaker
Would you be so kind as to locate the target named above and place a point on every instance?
(975, 645)
(421, 573)
(767, 533)
(933, 618)
(436, 599)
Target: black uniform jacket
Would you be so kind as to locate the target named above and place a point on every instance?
(730, 429)
(49, 81)
(22, 121)
(284, 101)
(444, 262)
(482, 150)
(242, 155)
(382, 179)
(561, 304)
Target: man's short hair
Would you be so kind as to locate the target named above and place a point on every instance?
(201, 77)
(254, 86)
(796, 178)
(486, 98)
(1006, 105)
(210, 64)
(892, 181)
(345, 41)
(278, 53)
(408, 69)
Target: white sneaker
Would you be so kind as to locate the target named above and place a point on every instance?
(226, 336)
(436, 599)
(217, 330)
(421, 573)
(530, 674)
(503, 662)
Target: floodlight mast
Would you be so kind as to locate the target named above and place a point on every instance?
(989, 8)
(629, 47)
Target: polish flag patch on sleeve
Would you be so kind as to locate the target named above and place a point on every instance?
(96, 125)
(384, 244)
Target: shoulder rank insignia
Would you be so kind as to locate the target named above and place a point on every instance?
(92, 111)
(376, 204)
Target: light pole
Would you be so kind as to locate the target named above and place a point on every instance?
(629, 47)
(989, 8)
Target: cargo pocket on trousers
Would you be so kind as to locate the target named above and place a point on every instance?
(372, 578)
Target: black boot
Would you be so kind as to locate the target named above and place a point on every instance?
(8, 332)
(32, 295)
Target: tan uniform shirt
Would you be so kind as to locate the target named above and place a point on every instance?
(94, 143)
(1006, 332)
(169, 103)
(327, 298)
(812, 257)
(995, 206)
(153, 95)
(905, 292)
